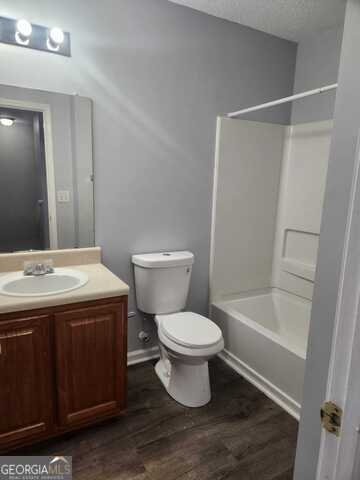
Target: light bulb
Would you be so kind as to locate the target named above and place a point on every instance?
(7, 122)
(23, 31)
(55, 39)
(57, 35)
(24, 27)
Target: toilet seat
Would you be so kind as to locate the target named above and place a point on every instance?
(190, 330)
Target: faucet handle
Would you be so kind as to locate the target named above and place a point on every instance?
(49, 265)
(38, 268)
(28, 268)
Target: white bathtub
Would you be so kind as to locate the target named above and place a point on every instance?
(265, 341)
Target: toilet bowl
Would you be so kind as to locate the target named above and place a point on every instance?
(186, 340)
(184, 354)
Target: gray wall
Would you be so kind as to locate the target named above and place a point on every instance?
(158, 74)
(317, 64)
(339, 182)
(83, 169)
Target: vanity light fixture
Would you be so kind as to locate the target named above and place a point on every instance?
(56, 39)
(23, 31)
(7, 121)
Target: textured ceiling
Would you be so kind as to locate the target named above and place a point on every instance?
(290, 19)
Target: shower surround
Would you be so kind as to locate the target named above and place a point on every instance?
(268, 195)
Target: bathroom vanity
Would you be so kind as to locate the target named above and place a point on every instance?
(63, 357)
(63, 318)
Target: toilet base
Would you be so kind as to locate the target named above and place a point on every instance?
(187, 384)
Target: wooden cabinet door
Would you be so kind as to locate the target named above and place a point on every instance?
(91, 362)
(25, 381)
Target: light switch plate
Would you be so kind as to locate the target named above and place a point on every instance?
(63, 196)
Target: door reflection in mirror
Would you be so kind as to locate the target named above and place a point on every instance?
(23, 191)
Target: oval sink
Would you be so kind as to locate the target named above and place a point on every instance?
(61, 281)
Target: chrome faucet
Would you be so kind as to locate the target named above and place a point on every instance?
(37, 268)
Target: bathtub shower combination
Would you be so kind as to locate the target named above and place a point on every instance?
(268, 196)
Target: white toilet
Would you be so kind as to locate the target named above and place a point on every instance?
(187, 340)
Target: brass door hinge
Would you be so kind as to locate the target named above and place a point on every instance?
(331, 416)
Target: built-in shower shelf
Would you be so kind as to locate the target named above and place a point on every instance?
(300, 269)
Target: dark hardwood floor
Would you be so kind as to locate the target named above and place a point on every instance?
(240, 435)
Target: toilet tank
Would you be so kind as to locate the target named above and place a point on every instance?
(162, 281)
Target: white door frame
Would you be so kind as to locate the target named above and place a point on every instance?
(49, 158)
(338, 455)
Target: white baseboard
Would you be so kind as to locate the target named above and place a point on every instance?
(270, 390)
(143, 355)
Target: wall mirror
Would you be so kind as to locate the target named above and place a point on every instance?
(46, 170)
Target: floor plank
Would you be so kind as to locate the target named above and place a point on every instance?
(240, 434)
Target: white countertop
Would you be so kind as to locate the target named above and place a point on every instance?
(102, 284)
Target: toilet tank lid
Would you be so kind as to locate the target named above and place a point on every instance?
(163, 259)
